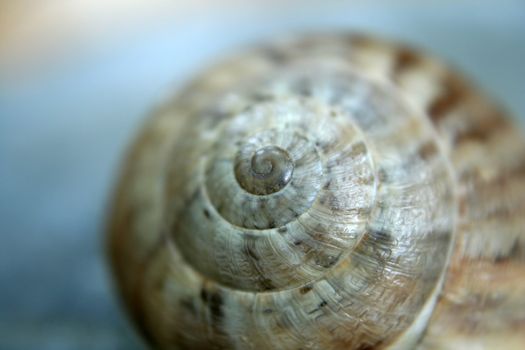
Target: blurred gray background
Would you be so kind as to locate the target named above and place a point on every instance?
(78, 77)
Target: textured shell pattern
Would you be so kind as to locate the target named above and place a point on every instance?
(330, 192)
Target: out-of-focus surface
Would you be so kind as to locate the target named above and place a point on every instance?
(78, 77)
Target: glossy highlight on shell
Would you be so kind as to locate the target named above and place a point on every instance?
(329, 192)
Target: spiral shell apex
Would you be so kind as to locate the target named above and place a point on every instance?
(319, 193)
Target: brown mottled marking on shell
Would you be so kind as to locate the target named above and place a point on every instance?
(483, 301)
(352, 252)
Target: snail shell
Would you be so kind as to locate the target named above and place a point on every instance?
(330, 192)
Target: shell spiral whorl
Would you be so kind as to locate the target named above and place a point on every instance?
(267, 171)
(295, 197)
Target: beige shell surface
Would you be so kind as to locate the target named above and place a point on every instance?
(333, 192)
